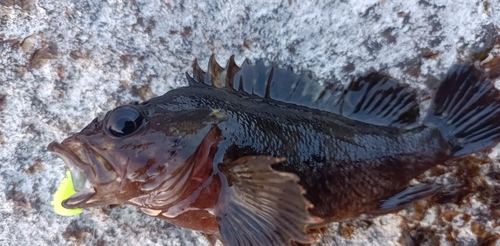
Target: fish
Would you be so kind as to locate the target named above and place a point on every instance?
(260, 155)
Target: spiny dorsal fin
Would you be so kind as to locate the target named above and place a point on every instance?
(375, 99)
(265, 81)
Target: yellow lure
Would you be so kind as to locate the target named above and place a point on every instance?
(64, 191)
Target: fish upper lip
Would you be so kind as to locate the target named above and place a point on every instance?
(69, 157)
(84, 189)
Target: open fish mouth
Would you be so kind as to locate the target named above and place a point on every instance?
(80, 172)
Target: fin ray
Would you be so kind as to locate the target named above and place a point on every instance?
(262, 205)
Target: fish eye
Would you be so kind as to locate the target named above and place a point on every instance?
(124, 121)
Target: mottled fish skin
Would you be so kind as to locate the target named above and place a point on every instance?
(256, 155)
(345, 166)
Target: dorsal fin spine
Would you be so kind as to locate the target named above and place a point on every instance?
(198, 73)
(231, 69)
(269, 81)
(214, 72)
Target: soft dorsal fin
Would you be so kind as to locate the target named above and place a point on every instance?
(379, 100)
(376, 99)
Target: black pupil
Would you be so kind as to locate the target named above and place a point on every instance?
(124, 121)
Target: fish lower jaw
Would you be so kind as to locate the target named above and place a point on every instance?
(80, 199)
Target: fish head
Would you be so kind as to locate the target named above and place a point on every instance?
(135, 151)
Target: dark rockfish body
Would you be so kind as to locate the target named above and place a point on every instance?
(259, 155)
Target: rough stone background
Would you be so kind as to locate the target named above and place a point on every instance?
(62, 63)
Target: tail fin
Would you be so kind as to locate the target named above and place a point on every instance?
(466, 109)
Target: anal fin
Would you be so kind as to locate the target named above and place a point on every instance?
(262, 206)
(406, 197)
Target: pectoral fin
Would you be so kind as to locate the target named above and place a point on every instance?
(406, 197)
(262, 206)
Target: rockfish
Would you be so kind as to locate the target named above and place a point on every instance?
(258, 155)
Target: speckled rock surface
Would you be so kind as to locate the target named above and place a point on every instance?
(63, 63)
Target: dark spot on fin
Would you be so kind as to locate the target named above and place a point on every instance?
(406, 197)
(379, 100)
(466, 109)
(262, 206)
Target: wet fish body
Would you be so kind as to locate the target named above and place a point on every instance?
(257, 155)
